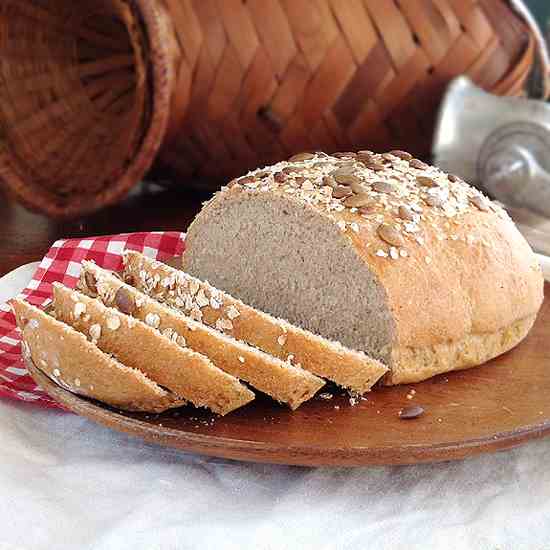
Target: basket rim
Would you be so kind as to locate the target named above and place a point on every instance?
(160, 80)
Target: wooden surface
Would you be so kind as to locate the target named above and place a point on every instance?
(25, 237)
(497, 406)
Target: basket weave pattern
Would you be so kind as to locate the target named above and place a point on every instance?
(89, 89)
(262, 79)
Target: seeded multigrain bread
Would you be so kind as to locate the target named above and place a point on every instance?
(380, 251)
(281, 381)
(331, 360)
(189, 375)
(73, 362)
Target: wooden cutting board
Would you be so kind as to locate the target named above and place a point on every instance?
(496, 406)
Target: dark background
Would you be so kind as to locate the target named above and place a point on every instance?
(541, 9)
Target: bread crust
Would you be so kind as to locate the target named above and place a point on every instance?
(416, 364)
(331, 360)
(453, 265)
(187, 374)
(73, 362)
(281, 381)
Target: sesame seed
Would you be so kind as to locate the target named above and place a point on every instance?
(77, 382)
(241, 359)
(281, 340)
(381, 253)
(56, 372)
(428, 260)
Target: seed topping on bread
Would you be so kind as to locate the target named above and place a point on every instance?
(394, 195)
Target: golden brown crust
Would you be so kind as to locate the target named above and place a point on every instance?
(417, 364)
(281, 381)
(187, 374)
(452, 263)
(76, 364)
(330, 360)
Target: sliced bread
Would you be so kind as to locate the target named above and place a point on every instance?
(281, 381)
(186, 373)
(347, 368)
(76, 364)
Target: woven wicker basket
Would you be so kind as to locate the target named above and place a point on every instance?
(93, 91)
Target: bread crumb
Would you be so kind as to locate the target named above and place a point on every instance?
(56, 372)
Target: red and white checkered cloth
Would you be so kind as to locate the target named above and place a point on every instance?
(62, 263)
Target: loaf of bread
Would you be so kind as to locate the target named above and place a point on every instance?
(347, 368)
(187, 374)
(280, 380)
(76, 364)
(382, 252)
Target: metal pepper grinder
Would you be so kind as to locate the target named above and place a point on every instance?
(499, 144)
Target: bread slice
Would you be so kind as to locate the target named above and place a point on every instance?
(347, 368)
(281, 381)
(76, 364)
(188, 374)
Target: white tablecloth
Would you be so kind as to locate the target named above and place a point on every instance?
(68, 484)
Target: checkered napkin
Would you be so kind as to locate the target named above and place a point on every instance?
(62, 263)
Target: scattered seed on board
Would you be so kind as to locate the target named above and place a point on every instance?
(410, 412)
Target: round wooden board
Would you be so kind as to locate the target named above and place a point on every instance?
(497, 406)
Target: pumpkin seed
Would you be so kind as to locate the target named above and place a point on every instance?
(390, 235)
(480, 203)
(425, 181)
(401, 154)
(124, 301)
(301, 157)
(355, 201)
(406, 213)
(340, 192)
(382, 187)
